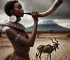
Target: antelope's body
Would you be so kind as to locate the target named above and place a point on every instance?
(46, 49)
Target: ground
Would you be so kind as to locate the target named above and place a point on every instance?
(63, 53)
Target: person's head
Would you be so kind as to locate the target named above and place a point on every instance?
(13, 8)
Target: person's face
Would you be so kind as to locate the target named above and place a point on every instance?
(17, 11)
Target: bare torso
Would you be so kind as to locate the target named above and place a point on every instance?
(19, 48)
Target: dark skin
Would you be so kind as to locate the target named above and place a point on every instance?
(24, 40)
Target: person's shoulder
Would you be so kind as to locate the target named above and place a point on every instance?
(8, 30)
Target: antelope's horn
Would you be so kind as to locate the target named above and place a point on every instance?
(56, 40)
(55, 5)
(52, 40)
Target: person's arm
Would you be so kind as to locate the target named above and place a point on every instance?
(30, 42)
(27, 36)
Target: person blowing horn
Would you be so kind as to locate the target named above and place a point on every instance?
(16, 32)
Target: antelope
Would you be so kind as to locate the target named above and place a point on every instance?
(47, 49)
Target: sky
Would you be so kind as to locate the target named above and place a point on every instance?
(42, 5)
(61, 16)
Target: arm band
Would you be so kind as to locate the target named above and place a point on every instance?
(17, 37)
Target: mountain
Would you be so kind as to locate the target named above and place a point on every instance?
(47, 26)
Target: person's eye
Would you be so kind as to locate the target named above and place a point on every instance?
(19, 7)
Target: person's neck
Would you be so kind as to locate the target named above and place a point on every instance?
(18, 19)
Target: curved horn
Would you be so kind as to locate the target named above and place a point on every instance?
(51, 40)
(56, 40)
(55, 5)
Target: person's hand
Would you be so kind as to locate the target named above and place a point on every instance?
(35, 16)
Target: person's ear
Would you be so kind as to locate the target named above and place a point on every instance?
(11, 11)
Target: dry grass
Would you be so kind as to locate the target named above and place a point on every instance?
(63, 53)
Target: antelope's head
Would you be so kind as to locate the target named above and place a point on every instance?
(55, 43)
